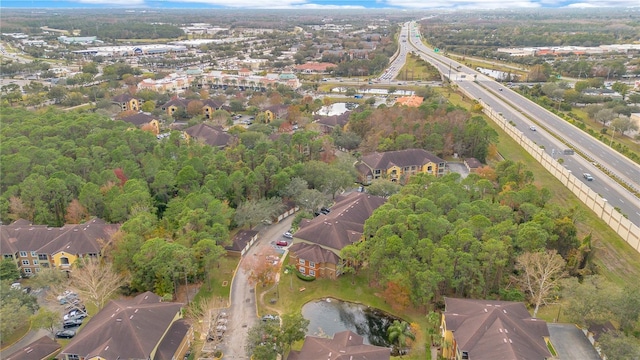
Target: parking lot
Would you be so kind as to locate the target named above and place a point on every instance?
(571, 343)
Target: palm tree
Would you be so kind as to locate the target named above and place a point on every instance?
(290, 269)
(398, 332)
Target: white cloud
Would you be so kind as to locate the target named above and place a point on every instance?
(461, 4)
(113, 2)
(497, 4)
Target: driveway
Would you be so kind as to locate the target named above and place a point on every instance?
(242, 313)
(571, 343)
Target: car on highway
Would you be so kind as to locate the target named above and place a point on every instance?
(288, 235)
(532, 128)
(65, 334)
(587, 176)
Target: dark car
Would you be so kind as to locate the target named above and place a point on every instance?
(71, 323)
(325, 211)
(65, 334)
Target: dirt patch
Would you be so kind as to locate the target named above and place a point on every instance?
(186, 294)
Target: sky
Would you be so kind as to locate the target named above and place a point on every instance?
(320, 4)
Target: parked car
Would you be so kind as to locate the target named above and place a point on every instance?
(587, 176)
(270, 317)
(70, 323)
(288, 235)
(282, 243)
(325, 211)
(65, 334)
(75, 314)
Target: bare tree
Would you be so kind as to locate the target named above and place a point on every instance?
(95, 280)
(540, 274)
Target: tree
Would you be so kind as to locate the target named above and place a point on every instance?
(295, 188)
(261, 269)
(311, 200)
(621, 88)
(433, 325)
(290, 269)
(262, 340)
(540, 275)
(604, 116)
(383, 187)
(619, 346)
(9, 270)
(95, 280)
(624, 124)
(45, 319)
(294, 328)
(252, 212)
(398, 332)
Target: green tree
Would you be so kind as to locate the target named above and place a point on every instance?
(294, 328)
(619, 346)
(252, 212)
(45, 319)
(398, 333)
(9, 270)
(383, 187)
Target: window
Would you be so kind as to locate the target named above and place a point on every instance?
(312, 273)
(43, 257)
(23, 254)
(301, 262)
(301, 269)
(312, 264)
(429, 168)
(36, 262)
(73, 357)
(33, 254)
(64, 260)
(8, 256)
(37, 269)
(45, 264)
(377, 172)
(93, 255)
(25, 262)
(27, 271)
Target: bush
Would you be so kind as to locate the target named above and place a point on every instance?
(304, 277)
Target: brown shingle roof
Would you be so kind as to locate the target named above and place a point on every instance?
(313, 252)
(138, 119)
(344, 225)
(241, 240)
(210, 135)
(473, 163)
(489, 329)
(172, 339)
(122, 98)
(345, 345)
(400, 158)
(125, 329)
(75, 239)
(177, 102)
(42, 348)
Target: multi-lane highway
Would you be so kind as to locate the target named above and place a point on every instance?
(524, 114)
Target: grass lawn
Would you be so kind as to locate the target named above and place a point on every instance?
(219, 285)
(15, 336)
(418, 69)
(349, 288)
(614, 258)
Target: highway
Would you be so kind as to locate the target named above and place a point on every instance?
(524, 114)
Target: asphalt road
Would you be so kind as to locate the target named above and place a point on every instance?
(242, 312)
(520, 110)
(571, 343)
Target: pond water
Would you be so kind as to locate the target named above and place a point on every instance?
(329, 316)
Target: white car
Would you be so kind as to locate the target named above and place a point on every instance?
(532, 128)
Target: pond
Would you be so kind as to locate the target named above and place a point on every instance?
(336, 108)
(329, 316)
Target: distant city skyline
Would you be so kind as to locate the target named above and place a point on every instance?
(320, 4)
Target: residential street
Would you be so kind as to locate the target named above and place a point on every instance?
(242, 312)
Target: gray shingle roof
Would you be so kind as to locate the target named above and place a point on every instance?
(138, 119)
(489, 329)
(125, 329)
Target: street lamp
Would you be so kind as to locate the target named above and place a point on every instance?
(612, 133)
